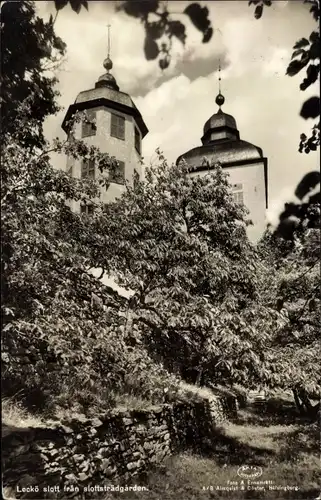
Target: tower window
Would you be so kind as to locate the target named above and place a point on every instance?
(118, 175)
(87, 209)
(70, 171)
(238, 193)
(117, 126)
(137, 141)
(135, 178)
(88, 123)
(88, 169)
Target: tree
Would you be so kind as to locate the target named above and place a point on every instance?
(64, 336)
(62, 329)
(30, 50)
(204, 302)
(179, 243)
(40, 265)
(292, 287)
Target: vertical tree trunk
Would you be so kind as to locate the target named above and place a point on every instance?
(303, 402)
(305, 399)
(298, 402)
(199, 377)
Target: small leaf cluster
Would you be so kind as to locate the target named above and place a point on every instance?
(311, 143)
(306, 213)
(76, 5)
(160, 26)
(259, 6)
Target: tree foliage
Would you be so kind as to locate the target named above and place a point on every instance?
(292, 287)
(62, 328)
(30, 49)
(205, 303)
(161, 26)
(306, 211)
(306, 54)
(183, 245)
(179, 243)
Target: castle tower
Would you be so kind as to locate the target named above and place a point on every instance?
(115, 126)
(245, 163)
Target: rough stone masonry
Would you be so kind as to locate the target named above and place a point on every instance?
(71, 458)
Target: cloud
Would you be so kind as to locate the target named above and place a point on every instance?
(193, 60)
(276, 61)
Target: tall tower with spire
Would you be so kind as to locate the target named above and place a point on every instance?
(115, 126)
(245, 163)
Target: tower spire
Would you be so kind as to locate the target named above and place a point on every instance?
(107, 80)
(220, 99)
(108, 63)
(108, 49)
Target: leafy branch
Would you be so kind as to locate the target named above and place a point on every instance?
(306, 54)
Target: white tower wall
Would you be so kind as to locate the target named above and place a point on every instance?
(249, 180)
(121, 150)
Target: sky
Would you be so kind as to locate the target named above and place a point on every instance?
(176, 103)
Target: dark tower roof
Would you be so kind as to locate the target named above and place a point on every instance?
(106, 93)
(221, 142)
(218, 120)
(220, 126)
(224, 152)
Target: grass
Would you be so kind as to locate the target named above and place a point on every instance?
(287, 453)
(84, 403)
(15, 415)
(191, 477)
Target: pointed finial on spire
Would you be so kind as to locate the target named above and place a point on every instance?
(108, 52)
(107, 80)
(220, 99)
(108, 63)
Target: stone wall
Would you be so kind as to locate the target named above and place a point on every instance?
(72, 459)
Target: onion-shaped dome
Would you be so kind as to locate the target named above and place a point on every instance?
(107, 80)
(105, 94)
(219, 120)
